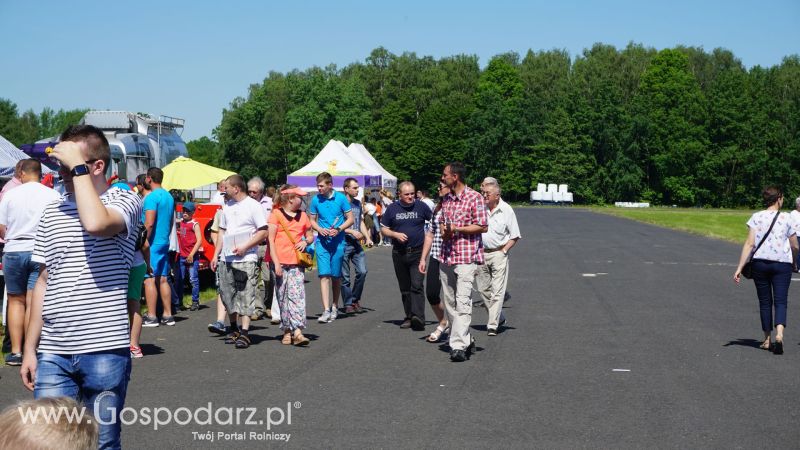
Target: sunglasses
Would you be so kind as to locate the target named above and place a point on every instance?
(89, 162)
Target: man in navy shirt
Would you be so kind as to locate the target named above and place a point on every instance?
(404, 222)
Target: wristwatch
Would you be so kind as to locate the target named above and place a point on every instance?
(79, 170)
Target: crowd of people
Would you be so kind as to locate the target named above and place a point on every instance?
(78, 264)
(467, 236)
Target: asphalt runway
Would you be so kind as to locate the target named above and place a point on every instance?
(621, 335)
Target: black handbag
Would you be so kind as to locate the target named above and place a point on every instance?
(747, 269)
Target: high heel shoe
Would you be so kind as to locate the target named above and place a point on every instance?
(778, 348)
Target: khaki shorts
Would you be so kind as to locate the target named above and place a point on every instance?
(237, 286)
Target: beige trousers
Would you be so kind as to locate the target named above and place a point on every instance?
(492, 279)
(457, 283)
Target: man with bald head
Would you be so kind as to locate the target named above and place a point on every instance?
(404, 222)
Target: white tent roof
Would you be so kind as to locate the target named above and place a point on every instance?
(334, 159)
(9, 155)
(360, 153)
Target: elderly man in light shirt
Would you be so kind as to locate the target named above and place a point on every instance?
(795, 214)
(501, 236)
(264, 304)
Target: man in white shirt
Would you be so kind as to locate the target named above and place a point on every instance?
(20, 211)
(243, 226)
(501, 236)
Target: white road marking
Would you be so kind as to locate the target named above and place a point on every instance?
(620, 370)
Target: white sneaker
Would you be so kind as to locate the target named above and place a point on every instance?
(334, 314)
(325, 317)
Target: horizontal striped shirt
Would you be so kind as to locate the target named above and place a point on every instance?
(85, 303)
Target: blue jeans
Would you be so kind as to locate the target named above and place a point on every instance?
(20, 272)
(353, 252)
(772, 280)
(98, 380)
(194, 279)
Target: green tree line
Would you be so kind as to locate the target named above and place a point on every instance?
(29, 127)
(678, 126)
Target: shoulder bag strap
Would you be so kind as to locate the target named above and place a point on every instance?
(765, 236)
(285, 228)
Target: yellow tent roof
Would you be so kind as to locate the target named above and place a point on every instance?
(186, 173)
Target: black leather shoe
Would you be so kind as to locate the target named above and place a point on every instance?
(406, 324)
(458, 356)
(777, 347)
(417, 324)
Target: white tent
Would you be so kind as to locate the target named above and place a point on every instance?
(360, 153)
(334, 159)
(9, 155)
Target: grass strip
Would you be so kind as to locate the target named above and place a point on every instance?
(725, 224)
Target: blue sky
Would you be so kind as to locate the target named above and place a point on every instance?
(189, 59)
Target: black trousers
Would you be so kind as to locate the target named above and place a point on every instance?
(410, 280)
(433, 284)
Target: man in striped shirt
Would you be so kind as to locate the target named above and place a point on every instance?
(462, 221)
(79, 319)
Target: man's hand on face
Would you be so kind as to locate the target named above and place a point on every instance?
(69, 154)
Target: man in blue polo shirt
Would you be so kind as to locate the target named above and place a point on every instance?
(330, 215)
(404, 222)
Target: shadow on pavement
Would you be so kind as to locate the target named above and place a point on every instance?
(744, 343)
(150, 349)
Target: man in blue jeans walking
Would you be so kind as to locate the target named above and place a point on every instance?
(353, 252)
(77, 344)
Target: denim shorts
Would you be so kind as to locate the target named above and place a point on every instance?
(20, 272)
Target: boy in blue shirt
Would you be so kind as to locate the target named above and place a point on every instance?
(330, 215)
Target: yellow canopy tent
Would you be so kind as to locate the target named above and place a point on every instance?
(186, 173)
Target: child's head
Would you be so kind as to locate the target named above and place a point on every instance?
(31, 424)
(188, 210)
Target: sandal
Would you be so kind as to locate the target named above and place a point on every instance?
(300, 340)
(287, 339)
(243, 341)
(437, 334)
(232, 337)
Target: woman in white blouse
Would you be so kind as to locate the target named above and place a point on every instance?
(773, 263)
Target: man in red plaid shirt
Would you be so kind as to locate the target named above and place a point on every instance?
(462, 221)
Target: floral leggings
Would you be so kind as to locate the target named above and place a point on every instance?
(291, 295)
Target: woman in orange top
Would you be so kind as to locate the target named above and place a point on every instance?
(289, 233)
